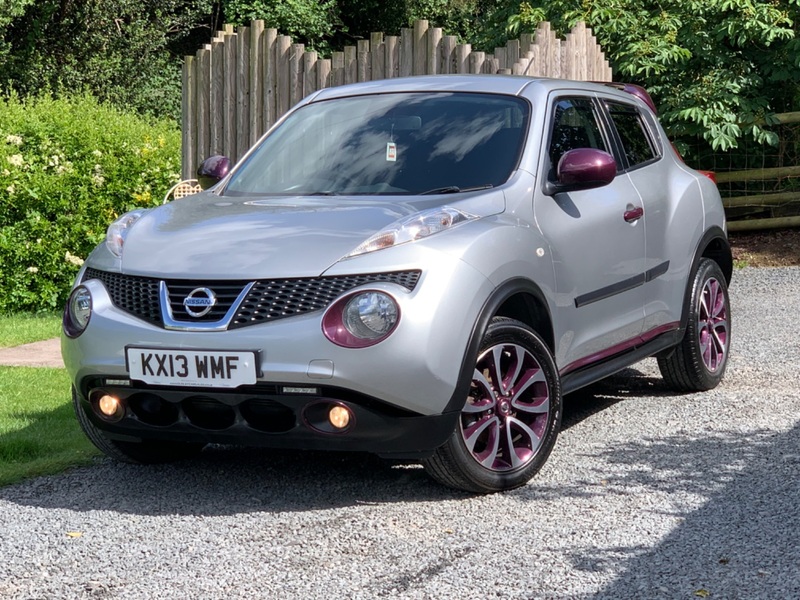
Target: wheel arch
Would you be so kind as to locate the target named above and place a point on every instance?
(520, 299)
(713, 245)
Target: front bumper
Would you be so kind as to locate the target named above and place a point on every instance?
(264, 415)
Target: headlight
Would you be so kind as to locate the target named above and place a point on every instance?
(361, 319)
(415, 227)
(118, 230)
(77, 312)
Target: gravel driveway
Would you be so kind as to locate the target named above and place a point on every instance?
(647, 495)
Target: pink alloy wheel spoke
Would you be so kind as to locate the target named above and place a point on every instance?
(506, 414)
(712, 325)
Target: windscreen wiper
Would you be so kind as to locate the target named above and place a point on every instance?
(454, 189)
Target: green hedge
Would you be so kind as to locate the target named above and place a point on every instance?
(68, 167)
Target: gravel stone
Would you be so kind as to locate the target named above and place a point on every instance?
(648, 494)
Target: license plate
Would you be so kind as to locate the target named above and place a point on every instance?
(192, 368)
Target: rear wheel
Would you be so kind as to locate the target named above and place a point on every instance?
(698, 362)
(510, 421)
(144, 452)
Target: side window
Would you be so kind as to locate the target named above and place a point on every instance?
(630, 125)
(575, 125)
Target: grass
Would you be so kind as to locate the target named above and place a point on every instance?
(39, 434)
(24, 328)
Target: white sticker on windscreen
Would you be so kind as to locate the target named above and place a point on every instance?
(391, 152)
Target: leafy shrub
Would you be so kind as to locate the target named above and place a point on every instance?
(68, 167)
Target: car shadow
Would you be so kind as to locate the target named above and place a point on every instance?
(599, 396)
(227, 480)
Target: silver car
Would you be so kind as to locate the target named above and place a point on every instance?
(419, 268)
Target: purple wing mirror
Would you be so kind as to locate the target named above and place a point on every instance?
(212, 170)
(584, 169)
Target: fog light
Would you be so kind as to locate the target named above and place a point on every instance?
(110, 407)
(339, 417)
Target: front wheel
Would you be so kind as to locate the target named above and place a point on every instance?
(698, 362)
(511, 418)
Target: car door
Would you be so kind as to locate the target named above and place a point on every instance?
(673, 218)
(596, 239)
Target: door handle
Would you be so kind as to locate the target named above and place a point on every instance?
(633, 214)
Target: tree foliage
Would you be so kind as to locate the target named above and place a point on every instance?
(718, 68)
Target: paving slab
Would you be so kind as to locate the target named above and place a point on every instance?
(46, 353)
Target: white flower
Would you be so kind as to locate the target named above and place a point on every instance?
(14, 139)
(97, 153)
(33, 269)
(72, 259)
(16, 160)
(98, 180)
(10, 189)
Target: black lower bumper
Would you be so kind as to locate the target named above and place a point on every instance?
(267, 416)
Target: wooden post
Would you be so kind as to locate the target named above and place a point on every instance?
(203, 101)
(350, 64)
(392, 56)
(462, 57)
(229, 99)
(406, 52)
(434, 51)
(242, 91)
(216, 102)
(256, 126)
(296, 74)
(337, 68)
(323, 73)
(187, 119)
(364, 70)
(420, 46)
(449, 43)
(377, 52)
(270, 79)
(282, 51)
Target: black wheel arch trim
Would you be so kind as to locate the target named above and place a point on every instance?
(490, 308)
(723, 257)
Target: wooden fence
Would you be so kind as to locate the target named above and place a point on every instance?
(239, 85)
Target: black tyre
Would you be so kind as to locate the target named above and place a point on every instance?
(144, 452)
(698, 362)
(511, 418)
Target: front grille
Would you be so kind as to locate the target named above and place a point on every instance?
(279, 298)
(268, 300)
(131, 293)
(225, 291)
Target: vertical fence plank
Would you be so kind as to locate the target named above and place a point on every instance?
(420, 51)
(434, 51)
(476, 60)
(229, 98)
(270, 79)
(449, 43)
(406, 52)
(217, 126)
(323, 73)
(295, 73)
(512, 52)
(242, 91)
(362, 61)
(392, 56)
(187, 118)
(350, 64)
(462, 58)
(377, 51)
(500, 54)
(309, 73)
(337, 68)
(203, 104)
(256, 82)
(284, 48)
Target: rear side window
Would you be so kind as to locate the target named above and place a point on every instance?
(637, 144)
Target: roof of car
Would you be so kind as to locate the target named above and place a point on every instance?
(498, 84)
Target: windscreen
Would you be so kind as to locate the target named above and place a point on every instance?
(389, 144)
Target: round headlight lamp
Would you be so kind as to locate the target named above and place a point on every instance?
(77, 312)
(370, 316)
(361, 319)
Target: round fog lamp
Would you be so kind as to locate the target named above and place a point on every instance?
(110, 407)
(339, 417)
